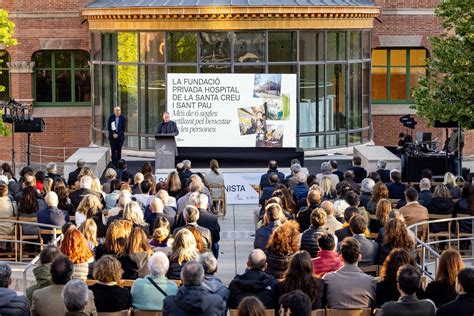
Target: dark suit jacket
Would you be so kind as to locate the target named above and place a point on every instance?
(168, 128)
(52, 216)
(266, 194)
(463, 305)
(265, 181)
(409, 305)
(359, 172)
(72, 178)
(368, 250)
(384, 175)
(120, 128)
(396, 190)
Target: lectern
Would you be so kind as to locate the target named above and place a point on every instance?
(165, 151)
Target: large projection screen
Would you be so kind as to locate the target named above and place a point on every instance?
(233, 110)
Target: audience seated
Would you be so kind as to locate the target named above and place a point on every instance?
(345, 231)
(367, 186)
(384, 173)
(295, 303)
(394, 235)
(384, 207)
(440, 204)
(212, 283)
(379, 191)
(328, 191)
(144, 197)
(6, 210)
(326, 172)
(374, 176)
(395, 188)
(272, 219)
(124, 198)
(90, 207)
(193, 298)
(195, 185)
(328, 259)
(184, 250)
(289, 207)
(48, 300)
(450, 182)
(387, 289)
(300, 190)
(52, 215)
(85, 188)
(290, 180)
(268, 190)
(115, 240)
(265, 178)
(299, 276)
(349, 287)
(332, 224)
(149, 292)
(310, 236)
(254, 282)
(303, 217)
(52, 172)
(283, 243)
(137, 181)
(442, 290)
(162, 240)
(408, 282)
(110, 175)
(186, 172)
(413, 212)
(10, 302)
(42, 272)
(156, 211)
(75, 297)
(251, 306)
(368, 248)
(334, 170)
(134, 257)
(340, 204)
(174, 184)
(463, 305)
(75, 247)
(349, 180)
(201, 234)
(425, 195)
(359, 172)
(465, 205)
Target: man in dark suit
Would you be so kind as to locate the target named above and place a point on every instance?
(116, 127)
(396, 189)
(167, 126)
(52, 215)
(408, 282)
(463, 305)
(272, 168)
(72, 178)
(383, 173)
(359, 172)
(368, 248)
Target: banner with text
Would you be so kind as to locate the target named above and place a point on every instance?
(233, 110)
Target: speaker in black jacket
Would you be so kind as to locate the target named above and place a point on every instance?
(35, 126)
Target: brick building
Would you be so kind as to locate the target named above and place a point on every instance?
(51, 68)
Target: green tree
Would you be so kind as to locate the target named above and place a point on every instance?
(446, 94)
(6, 39)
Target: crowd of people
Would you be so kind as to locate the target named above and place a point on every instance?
(314, 236)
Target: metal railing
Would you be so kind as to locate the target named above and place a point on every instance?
(429, 247)
(41, 155)
(28, 265)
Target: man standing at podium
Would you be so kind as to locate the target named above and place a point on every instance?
(116, 127)
(167, 126)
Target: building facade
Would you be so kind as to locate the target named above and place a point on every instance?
(76, 59)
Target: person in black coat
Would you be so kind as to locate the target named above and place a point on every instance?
(396, 189)
(265, 180)
(303, 217)
(310, 236)
(359, 172)
(442, 204)
(116, 127)
(167, 126)
(72, 177)
(193, 298)
(383, 173)
(463, 305)
(254, 282)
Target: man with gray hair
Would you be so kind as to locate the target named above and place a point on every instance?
(290, 180)
(212, 283)
(186, 172)
(85, 188)
(254, 282)
(366, 187)
(206, 219)
(425, 195)
(148, 293)
(383, 173)
(191, 216)
(75, 296)
(326, 171)
(52, 172)
(72, 178)
(10, 302)
(195, 185)
(155, 211)
(52, 215)
(193, 298)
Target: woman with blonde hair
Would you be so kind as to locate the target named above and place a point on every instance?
(384, 207)
(162, 239)
(115, 240)
(75, 247)
(184, 249)
(47, 185)
(134, 258)
(133, 213)
(443, 289)
(174, 184)
(327, 190)
(109, 296)
(88, 228)
(450, 182)
(91, 207)
(110, 175)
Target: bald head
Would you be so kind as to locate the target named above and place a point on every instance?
(257, 260)
(328, 207)
(156, 205)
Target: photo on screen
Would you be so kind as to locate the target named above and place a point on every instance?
(252, 120)
(277, 109)
(271, 138)
(267, 86)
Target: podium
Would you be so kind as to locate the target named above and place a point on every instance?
(165, 151)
